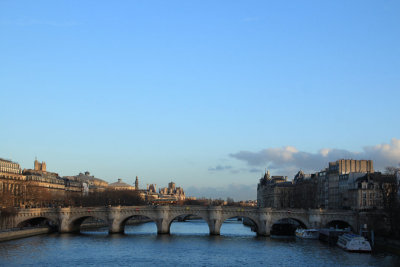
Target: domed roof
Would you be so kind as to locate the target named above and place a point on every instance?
(87, 177)
(120, 184)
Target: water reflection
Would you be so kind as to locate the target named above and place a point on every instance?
(200, 227)
(149, 228)
(230, 228)
(189, 244)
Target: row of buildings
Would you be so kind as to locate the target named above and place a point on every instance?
(344, 184)
(38, 187)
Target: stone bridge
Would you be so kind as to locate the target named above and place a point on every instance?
(69, 219)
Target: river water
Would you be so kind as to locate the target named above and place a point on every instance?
(188, 245)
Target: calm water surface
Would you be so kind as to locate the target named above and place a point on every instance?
(188, 244)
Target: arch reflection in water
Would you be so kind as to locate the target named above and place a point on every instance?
(239, 226)
(189, 224)
(286, 227)
(39, 222)
(90, 225)
(139, 225)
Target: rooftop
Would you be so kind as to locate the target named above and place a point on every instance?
(8, 160)
(120, 184)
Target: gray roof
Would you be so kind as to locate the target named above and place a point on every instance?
(84, 177)
(120, 184)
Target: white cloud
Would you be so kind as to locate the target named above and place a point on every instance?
(289, 159)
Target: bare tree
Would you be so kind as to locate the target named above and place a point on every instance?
(36, 196)
(217, 202)
(392, 169)
(202, 202)
(107, 197)
(230, 201)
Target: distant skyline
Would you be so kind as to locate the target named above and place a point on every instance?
(205, 93)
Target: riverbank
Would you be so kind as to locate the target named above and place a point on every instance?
(17, 234)
(12, 234)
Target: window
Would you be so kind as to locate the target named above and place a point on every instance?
(364, 185)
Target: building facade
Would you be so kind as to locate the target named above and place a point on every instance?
(344, 184)
(371, 191)
(33, 187)
(7, 166)
(342, 168)
(88, 181)
(274, 192)
(39, 187)
(305, 190)
(12, 184)
(172, 192)
(45, 188)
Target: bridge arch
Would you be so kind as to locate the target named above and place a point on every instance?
(253, 222)
(300, 223)
(301, 218)
(123, 221)
(286, 224)
(75, 222)
(251, 216)
(341, 224)
(38, 221)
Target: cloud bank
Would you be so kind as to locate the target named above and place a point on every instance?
(289, 159)
(220, 168)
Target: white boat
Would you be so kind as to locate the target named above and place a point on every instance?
(353, 243)
(307, 233)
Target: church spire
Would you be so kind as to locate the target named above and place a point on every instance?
(137, 183)
(267, 175)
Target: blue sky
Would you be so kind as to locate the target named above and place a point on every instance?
(205, 93)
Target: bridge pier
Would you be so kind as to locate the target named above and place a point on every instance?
(65, 225)
(264, 228)
(115, 227)
(163, 220)
(163, 227)
(214, 220)
(215, 227)
(114, 220)
(264, 225)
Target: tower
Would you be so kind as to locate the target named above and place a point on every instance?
(267, 176)
(43, 166)
(36, 165)
(39, 166)
(137, 183)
